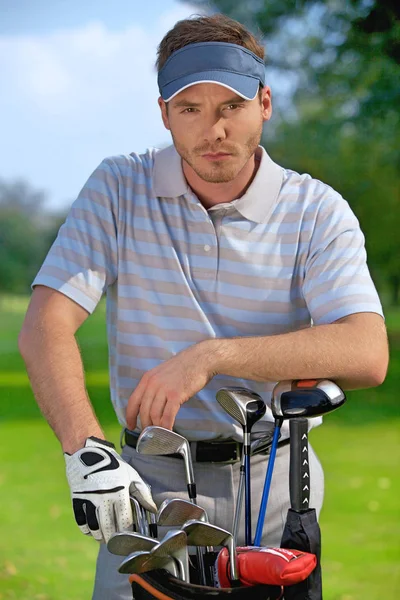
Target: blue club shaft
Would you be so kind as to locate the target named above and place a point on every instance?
(267, 484)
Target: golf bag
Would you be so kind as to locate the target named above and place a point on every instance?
(160, 585)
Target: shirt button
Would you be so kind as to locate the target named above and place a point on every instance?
(207, 248)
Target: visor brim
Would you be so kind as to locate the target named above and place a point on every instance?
(243, 85)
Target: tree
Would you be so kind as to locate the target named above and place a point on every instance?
(26, 232)
(340, 122)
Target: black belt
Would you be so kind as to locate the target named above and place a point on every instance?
(223, 451)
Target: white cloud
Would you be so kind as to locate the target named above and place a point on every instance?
(75, 96)
(41, 76)
(72, 72)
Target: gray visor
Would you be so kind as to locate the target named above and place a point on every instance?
(230, 65)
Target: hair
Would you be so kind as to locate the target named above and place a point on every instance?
(214, 28)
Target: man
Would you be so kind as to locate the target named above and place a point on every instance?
(216, 262)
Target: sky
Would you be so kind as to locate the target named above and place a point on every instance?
(78, 83)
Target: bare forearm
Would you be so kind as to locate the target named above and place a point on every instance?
(55, 370)
(342, 351)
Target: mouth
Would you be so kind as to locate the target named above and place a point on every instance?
(216, 156)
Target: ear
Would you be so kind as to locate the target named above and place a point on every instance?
(266, 103)
(164, 113)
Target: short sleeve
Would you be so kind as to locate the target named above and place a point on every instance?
(337, 281)
(82, 262)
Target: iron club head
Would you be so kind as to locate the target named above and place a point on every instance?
(174, 545)
(123, 543)
(204, 534)
(174, 512)
(159, 441)
(141, 562)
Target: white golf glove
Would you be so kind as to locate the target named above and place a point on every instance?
(100, 482)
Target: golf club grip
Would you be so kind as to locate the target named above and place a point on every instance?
(299, 470)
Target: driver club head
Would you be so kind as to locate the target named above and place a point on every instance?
(306, 398)
(243, 405)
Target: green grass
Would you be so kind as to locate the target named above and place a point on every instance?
(43, 556)
(360, 518)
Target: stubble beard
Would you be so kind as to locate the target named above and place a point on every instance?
(219, 171)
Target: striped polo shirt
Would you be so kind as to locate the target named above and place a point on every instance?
(287, 254)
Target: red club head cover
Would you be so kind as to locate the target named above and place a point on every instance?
(271, 566)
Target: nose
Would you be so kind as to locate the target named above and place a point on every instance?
(214, 129)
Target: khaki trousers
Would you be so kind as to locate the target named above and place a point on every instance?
(217, 485)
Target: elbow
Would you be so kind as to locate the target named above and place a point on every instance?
(375, 379)
(369, 373)
(368, 359)
(377, 369)
(380, 375)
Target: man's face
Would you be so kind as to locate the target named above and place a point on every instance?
(214, 130)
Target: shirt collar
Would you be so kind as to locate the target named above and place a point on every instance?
(255, 205)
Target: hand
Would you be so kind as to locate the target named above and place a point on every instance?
(100, 483)
(162, 390)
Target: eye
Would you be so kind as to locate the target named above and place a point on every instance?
(234, 106)
(189, 109)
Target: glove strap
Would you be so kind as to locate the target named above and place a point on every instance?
(104, 442)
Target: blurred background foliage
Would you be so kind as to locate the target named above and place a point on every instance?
(27, 229)
(338, 118)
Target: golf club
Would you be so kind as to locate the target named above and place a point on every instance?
(141, 562)
(123, 543)
(174, 545)
(296, 398)
(299, 468)
(302, 530)
(246, 407)
(152, 524)
(158, 441)
(138, 515)
(268, 479)
(145, 521)
(264, 442)
(152, 521)
(306, 398)
(204, 534)
(174, 512)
